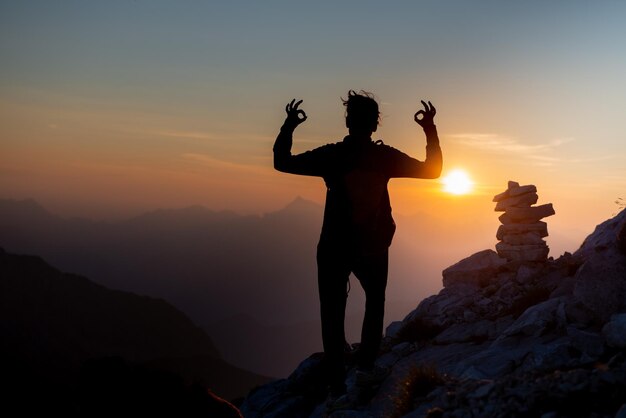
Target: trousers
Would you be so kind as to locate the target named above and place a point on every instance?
(334, 267)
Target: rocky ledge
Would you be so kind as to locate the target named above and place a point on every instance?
(503, 338)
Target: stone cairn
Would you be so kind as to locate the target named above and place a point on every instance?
(522, 231)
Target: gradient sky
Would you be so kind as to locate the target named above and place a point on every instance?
(109, 108)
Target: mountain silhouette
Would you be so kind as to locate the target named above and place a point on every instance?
(61, 330)
(215, 266)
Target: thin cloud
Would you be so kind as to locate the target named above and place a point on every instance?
(495, 142)
(541, 154)
(251, 137)
(185, 134)
(593, 159)
(223, 164)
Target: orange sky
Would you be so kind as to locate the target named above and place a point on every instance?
(110, 112)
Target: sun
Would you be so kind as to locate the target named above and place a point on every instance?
(457, 182)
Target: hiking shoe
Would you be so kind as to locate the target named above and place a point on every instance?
(371, 377)
(339, 403)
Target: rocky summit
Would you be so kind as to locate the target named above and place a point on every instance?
(505, 337)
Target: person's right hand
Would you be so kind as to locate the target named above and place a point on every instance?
(295, 116)
(428, 115)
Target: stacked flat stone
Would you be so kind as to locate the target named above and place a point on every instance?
(522, 231)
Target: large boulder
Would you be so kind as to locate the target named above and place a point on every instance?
(600, 283)
(476, 269)
(615, 331)
(606, 235)
(537, 319)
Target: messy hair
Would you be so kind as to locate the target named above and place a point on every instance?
(361, 110)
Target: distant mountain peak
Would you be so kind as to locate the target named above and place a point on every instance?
(300, 203)
(189, 214)
(26, 207)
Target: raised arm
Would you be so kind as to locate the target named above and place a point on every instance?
(430, 168)
(309, 163)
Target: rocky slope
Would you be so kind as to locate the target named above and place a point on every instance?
(501, 339)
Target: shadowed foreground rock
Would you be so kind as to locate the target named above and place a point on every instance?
(504, 338)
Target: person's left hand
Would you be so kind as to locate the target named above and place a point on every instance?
(295, 116)
(428, 115)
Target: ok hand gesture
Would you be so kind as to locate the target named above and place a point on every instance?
(295, 116)
(428, 114)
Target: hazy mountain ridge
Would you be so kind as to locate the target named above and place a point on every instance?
(55, 324)
(159, 251)
(214, 265)
(40, 298)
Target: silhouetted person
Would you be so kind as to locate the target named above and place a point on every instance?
(358, 226)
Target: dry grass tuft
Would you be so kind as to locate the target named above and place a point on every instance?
(420, 381)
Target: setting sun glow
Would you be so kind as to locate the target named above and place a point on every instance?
(457, 182)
